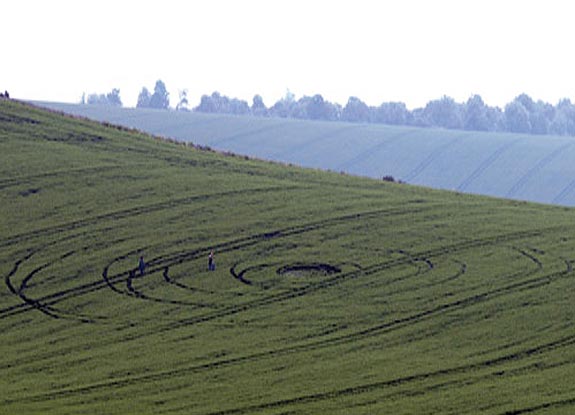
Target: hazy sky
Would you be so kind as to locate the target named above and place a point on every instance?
(403, 50)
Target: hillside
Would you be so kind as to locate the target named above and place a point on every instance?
(521, 167)
(332, 294)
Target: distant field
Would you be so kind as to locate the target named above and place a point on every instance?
(332, 294)
(514, 166)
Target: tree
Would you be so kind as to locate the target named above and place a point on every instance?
(355, 111)
(444, 112)
(526, 101)
(111, 98)
(183, 102)
(160, 98)
(299, 108)
(495, 118)
(312, 108)
(206, 104)
(564, 120)
(258, 107)
(540, 114)
(475, 115)
(317, 108)
(284, 107)
(420, 118)
(215, 103)
(395, 113)
(517, 118)
(96, 99)
(540, 117)
(332, 111)
(144, 98)
(238, 107)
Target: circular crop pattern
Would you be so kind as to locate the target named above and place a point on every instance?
(387, 293)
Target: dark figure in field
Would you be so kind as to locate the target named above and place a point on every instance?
(142, 265)
(6, 95)
(211, 263)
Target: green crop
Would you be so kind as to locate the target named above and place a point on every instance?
(331, 295)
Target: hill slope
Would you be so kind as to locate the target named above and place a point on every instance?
(522, 167)
(332, 294)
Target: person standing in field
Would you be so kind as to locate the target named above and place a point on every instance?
(211, 263)
(142, 265)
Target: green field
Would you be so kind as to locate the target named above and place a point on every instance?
(332, 294)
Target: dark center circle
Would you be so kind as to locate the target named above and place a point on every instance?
(308, 269)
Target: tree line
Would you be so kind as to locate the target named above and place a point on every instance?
(522, 115)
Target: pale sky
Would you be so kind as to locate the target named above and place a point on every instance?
(411, 51)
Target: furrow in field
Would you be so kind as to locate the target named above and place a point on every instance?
(484, 165)
(138, 210)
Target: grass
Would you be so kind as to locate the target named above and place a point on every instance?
(435, 302)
